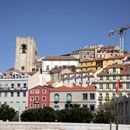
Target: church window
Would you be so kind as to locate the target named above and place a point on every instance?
(22, 68)
(23, 48)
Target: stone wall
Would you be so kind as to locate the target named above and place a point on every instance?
(58, 126)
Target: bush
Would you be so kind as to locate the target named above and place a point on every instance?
(6, 113)
(104, 117)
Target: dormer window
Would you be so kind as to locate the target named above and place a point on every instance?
(23, 48)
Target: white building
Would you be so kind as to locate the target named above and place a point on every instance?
(65, 97)
(50, 62)
(13, 90)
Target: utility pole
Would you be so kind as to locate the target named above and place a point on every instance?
(121, 31)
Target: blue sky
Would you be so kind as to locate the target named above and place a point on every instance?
(60, 26)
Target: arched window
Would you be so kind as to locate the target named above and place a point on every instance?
(69, 98)
(23, 48)
(56, 98)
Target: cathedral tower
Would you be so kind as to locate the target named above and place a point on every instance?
(26, 54)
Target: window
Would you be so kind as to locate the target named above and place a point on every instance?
(24, 85)
(12, 85)
(114, 85)
(114, 94)
(11, 104)
(33, 69)
(127, 77)
(18, 94)
(101, 86)
(24, 94)
(6, 85)
(100, 97)
(92, 107)
(43, 91)
(47, 68)
(56, 98)
(18, 85)
(22, 68)
(23, 104)
(69, 97)
(31, 106)
(92, 96)
(5, 95)
(36, 105)
(31, 98)
(107, 86)
(121, 77)
(37, 91)
(23, 48)
(5, 103)
(85, 96)
(32, 91)
(43, 105)
(36, 99)
(127, 86)
(43, 98)
(107, 77)
(56, 107)
(114, 77)
(114, 70)
(17, 104)
(12, 94)
(101, 77)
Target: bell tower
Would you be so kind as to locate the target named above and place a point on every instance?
(26, 54)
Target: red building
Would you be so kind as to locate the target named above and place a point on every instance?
(38, 96)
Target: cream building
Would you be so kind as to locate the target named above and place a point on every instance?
(26, 54)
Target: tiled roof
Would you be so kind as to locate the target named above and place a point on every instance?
(39, 86)
(110, 58)
(123, 67)
(50, 83)
(74, 88)
(60, 58)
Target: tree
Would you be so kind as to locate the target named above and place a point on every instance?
(104, 117)
(75, 114)
(6, 113)
(46, 114)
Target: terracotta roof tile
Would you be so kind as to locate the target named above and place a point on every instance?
(50, 83)
(74, 88)
(60, 58)
(110, 58)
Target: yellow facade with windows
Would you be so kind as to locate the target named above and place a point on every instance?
(107, 81)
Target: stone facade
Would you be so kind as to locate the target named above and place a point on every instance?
(26, 54)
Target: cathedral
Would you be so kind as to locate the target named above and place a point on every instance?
(26, 59)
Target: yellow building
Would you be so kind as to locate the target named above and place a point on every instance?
(98, 63)
(107, 81)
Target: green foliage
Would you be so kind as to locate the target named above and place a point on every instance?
(75, 114)
(6, 113)
(46, 114)
(104, 117)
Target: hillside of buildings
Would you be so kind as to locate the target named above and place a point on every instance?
(92, 76)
